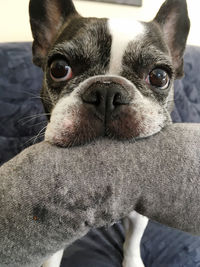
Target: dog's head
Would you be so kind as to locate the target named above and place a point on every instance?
(110, 77)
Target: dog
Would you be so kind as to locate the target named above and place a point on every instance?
(108, 78)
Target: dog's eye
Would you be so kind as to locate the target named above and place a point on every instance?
(158, 78)
(60, 70)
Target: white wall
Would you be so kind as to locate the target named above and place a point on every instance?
(14, 21)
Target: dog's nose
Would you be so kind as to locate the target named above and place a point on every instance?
(106, 97)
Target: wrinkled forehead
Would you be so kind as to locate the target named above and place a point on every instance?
(109, 39)
(84, 36)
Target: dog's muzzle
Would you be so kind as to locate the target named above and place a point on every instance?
(103, 106)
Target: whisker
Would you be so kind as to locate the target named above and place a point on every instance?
(36, 124)
(40, 134)
(29, 93)
(27, 121)
(46, 100)
(32, 117)
(173, 99)
(35, 96)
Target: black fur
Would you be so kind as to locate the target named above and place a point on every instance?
(44, 32)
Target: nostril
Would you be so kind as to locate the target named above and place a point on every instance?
(98, 98)
(117, 100)
(94, 98)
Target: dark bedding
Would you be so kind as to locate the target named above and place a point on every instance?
(22, 122)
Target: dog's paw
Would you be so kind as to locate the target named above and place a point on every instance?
(132, 262)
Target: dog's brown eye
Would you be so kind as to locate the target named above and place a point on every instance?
(158, 78)
(60, 70)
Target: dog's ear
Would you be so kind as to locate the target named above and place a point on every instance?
(175, 24)
(46, 18)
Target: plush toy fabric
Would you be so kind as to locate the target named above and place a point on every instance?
(51, 196)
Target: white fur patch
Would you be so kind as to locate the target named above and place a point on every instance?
(61, 118)
(122, 31)
(135, 225)
(55, 260)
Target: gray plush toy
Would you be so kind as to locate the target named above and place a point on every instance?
(51, 196)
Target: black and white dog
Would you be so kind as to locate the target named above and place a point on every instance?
(107, 77)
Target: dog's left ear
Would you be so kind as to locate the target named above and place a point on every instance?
(174, 22)
(47, 18)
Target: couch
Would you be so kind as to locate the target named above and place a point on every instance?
(22, 123)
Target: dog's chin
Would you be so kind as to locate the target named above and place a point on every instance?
(71, 139)
(84, 132)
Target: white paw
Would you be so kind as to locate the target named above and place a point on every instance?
(54, 260)
(132, 262)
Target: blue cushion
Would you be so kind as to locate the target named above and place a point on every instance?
(20, 83)
(187, 90)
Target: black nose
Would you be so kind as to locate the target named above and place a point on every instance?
(105, 97)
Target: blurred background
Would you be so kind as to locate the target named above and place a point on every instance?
(14, 20)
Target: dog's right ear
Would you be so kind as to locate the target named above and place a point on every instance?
(46, 18)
